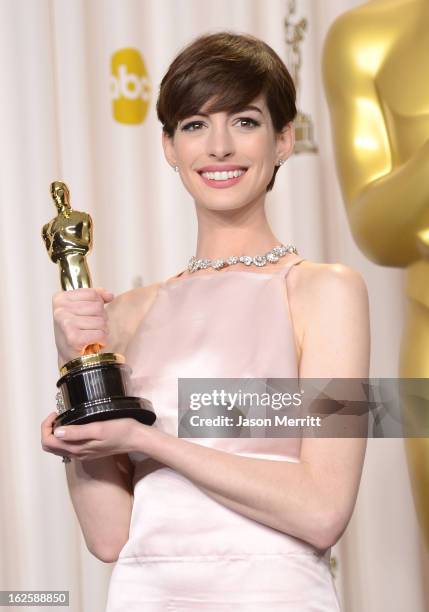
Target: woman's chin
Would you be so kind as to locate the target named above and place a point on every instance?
(223, 201)
(222, 206)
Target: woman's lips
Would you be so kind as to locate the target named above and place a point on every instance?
(222, 184)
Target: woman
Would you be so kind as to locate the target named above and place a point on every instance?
(219, 523)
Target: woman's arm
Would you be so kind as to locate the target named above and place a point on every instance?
(100, 489)
(312, 500)
(101, 494)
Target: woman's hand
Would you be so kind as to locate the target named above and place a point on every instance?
(93, 440)
(79, 320)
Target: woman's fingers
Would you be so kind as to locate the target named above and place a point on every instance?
(105, 294)
(90, 294)
(49, 419)
(47, 425)
(80, 320)
(78, 433)
(87, 308)
(52, 440)
(100, 438)
(48, 440)
(92, 322)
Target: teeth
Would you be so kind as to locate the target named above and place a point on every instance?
(222, 176)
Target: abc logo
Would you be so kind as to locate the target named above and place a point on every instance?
(130, 87)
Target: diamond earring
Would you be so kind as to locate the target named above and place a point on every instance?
(281, 162)
(176, 168)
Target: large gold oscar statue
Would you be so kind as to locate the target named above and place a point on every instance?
(375, 69)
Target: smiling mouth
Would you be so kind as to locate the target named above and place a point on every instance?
(223, 175)
(224, 179)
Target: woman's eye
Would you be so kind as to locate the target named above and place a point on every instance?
(192, 126)
(249, 121)
(246, 122)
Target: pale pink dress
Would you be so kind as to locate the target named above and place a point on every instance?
(186, 551)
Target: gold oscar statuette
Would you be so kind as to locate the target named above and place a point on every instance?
(94, 386)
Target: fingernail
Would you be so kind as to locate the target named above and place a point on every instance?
(60, 433)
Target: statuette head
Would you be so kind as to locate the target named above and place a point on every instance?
(61, 195)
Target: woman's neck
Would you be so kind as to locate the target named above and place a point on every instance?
(233, 232)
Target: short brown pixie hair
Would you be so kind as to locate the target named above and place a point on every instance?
(231, 70)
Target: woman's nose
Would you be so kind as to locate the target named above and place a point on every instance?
(220, 142)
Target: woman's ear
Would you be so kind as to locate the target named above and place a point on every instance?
(285, 141)
(168, 146)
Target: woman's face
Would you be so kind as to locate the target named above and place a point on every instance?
(226, 161)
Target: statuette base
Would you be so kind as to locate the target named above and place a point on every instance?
(96, 387)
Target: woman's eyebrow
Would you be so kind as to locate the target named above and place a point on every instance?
(251, 107)
(246, 108)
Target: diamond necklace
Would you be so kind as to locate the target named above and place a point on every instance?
(258, 260)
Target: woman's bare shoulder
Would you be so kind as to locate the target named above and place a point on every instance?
(125, 314)
(309, 278)
(314, 287)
